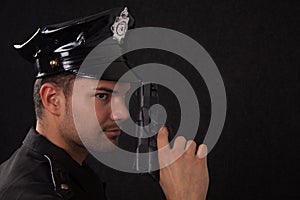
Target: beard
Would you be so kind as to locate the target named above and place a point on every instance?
(68, 130)
(102, 140)
(79, 131)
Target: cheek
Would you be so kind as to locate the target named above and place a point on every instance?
(102, 112)
(84, 114)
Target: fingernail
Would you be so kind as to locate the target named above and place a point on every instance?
(202, 151)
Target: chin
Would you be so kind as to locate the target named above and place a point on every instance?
(110, 146)
(103, 146)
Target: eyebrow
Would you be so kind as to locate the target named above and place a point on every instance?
(106, 89)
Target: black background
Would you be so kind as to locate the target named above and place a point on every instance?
(255, 46)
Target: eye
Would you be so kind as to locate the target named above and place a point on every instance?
(102, 96)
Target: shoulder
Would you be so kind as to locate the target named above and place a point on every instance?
(26, 175)
(28, 191)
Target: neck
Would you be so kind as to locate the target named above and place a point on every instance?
(78, 153)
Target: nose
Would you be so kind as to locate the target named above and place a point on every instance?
(119, 111)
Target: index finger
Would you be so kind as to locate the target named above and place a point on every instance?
(162, 138)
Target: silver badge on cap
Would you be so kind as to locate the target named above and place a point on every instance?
(120, 26)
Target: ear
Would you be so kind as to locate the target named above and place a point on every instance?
(53, 98)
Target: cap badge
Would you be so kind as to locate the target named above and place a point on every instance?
(120, 26)
(53, 63)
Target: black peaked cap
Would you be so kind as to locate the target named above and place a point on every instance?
(62, 47)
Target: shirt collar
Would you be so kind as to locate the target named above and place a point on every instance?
(83, 175)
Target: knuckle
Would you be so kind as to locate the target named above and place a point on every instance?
(191, 143)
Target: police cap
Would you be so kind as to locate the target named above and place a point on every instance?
(62, 47)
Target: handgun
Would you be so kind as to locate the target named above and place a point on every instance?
(147, 129)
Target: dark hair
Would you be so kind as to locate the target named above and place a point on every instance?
(63, 80)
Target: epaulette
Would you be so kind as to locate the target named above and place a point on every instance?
(60, 178)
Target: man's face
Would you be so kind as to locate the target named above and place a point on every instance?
(93, 112)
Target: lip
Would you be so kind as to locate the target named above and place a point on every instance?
(112, 133)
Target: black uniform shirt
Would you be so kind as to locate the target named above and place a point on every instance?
(41, 170)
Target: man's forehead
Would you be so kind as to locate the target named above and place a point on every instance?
(98, 84)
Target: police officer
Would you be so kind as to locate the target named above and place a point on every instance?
(51, 163)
